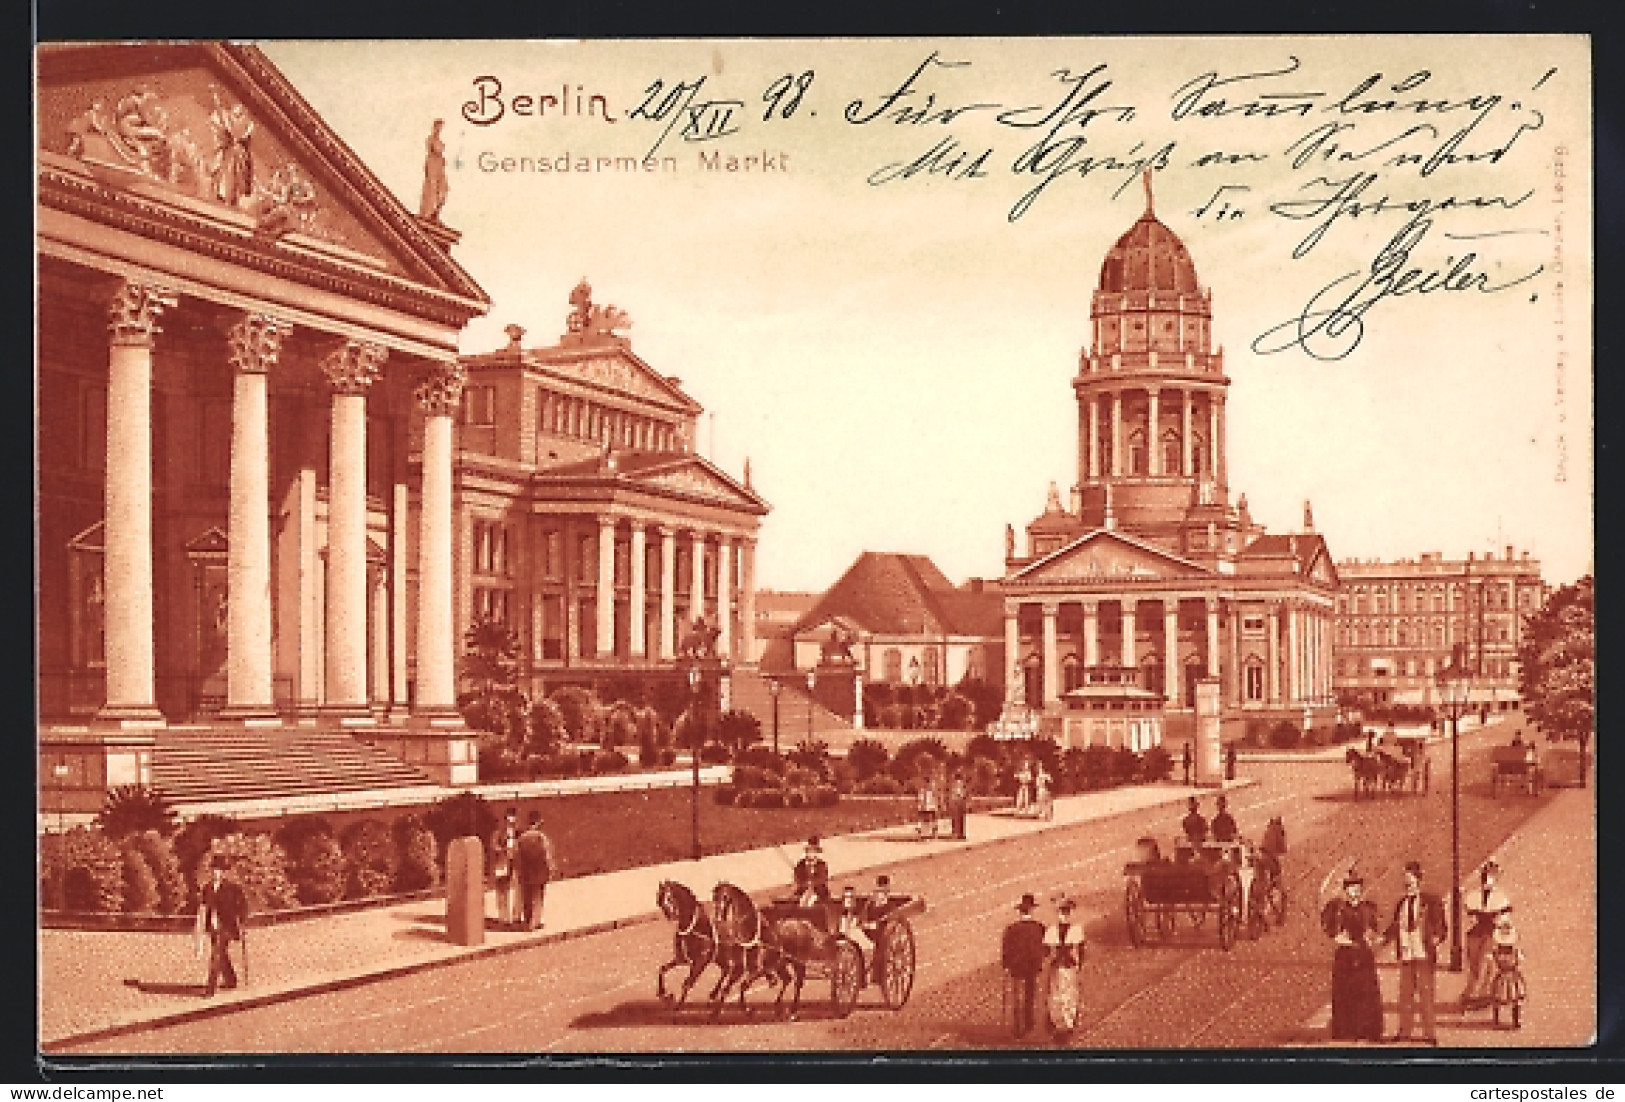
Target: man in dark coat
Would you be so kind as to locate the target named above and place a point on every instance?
(1417, 930)
(812, 875)
(1194, 825)
(1022, 956)
(536, 868)
(1224, 823)
(221, 912)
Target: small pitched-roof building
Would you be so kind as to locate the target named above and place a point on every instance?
(1151, 567)
(904, 622)
(586, 520)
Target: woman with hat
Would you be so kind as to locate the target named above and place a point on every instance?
(1064, 944)
(1022, 956)
(1351, 922)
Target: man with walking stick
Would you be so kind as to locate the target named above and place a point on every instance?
(1022, 956)
(221, 913)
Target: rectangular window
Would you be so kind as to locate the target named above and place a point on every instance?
(552, 627)
(479, 405)
(1255, 682)
(1253, 624)
(552, 555)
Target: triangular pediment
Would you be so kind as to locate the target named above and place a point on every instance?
(693, 477)
(214, 135)
(1104, 555)
(613, 367)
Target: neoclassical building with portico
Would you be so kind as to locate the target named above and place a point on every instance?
(1150, 567)
(247, 378)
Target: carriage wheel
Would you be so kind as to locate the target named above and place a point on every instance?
(1275, 900)
(1134, 912)
(1229, 912)
(897, 963)
(845, 977)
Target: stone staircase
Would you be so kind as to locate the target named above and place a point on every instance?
(749, 692)
(197, 765)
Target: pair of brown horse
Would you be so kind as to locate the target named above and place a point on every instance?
(1377, 769)
(745, 947)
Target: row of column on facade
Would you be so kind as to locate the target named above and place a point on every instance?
(1192, 463)
(1298, 667)
(254, 344)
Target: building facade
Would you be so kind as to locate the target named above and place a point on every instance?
(1400, 623)
(246, 380)
(586, 521)
(1151, 567)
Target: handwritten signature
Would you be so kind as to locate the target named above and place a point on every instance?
(1332, 323)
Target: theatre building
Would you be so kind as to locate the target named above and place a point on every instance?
(1152, 577)
(247, 379)
(587, 522)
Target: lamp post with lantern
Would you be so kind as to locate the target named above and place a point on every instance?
(1455, 691)
(695, 732)
(812, 683)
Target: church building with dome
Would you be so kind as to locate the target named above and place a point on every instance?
(1153, 578)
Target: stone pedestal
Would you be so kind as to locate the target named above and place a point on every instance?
(836, 688)
(79, 765)
(1209, 742)
(465, 892)
(446, 755)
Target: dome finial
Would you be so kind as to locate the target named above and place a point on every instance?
(1150, 211)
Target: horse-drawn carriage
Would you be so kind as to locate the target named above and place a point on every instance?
(1381, 771)
(1240, 885)
(1516, 767)
(786, 943)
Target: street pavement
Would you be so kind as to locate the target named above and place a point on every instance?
(1549, 873)
(99, 983)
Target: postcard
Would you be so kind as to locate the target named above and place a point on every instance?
(835, 545)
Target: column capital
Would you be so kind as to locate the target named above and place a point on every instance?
(1012, 607)
(353, 366)
(1091, 605)
(132, 312)
(1050, 608)
(442, 388)
(255, 342)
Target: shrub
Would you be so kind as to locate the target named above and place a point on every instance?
(166, 870)
(955, 713)
(823, 795)
(499, 760)
(619, 726)
(767, 797)
(750, 777)
(842, 776)
(133, 808)
(81, 870)
(724, 795)
(545, 728)
(715, 753)
(609, 761)
(1156, 764)
(880, 785)
(293, 832)
(1125, 765)
(260, 866)
(1285, 735)
(811, 754)
(419, 865)
(795, 797)
(737, 729)
(318, 869)
(140, 886)
(867, 757)
(984, 777)
(1096, 766)
(800, 777)
(370, 859)
(985, 746)
(467, 813)
(668, 756)
(761, 757)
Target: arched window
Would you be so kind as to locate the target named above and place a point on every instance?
(1136, 452)
(1071, 673)
(1253, 679)
(1172, 461)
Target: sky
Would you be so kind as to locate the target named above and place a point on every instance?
(890, 337)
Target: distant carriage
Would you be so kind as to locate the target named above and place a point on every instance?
(1516, 767)
(1380, 771)
(1238, 885)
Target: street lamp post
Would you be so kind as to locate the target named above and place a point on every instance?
(773, 689)
(1455, 688)
(695, 742)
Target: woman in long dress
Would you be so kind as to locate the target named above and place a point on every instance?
(1044, 797)
(1064, 945)
(1352, 923)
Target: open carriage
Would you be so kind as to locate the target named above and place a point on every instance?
(1236, 884)
(842, 960)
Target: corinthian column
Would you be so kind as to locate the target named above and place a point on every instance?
(127, 528)
(436, 698)
(605, 641)
(747, 605)
(637, 630)
(1052, 653)
(725, 598)
(668, 593)
(350, 370)
(255, 342)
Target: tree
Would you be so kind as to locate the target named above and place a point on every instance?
(737, 730)
(491, 667)
(1557, 664)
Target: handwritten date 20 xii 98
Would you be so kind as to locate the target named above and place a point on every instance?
(678, 103)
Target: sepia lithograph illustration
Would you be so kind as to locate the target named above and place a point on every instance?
(1064, 544)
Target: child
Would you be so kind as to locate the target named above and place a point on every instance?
(1507, 988)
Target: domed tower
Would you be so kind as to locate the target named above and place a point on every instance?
(1151, 393)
